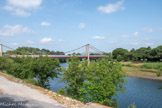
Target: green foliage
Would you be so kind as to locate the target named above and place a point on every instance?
(156, 65)
(34, 51)
(132, 106)
(97, 82)
(143, 54)
(46, 68)
(40, 69)
(32, 81)
(74, 76)
(119, 53)
(128, 65)
(5, 62)
(158, 74)
(119, 58)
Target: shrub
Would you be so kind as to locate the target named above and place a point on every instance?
(132, 106)
(158, 74)
(32, 81)
(41, 68)
(156, 65)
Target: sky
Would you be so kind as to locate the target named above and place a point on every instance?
(68, 24)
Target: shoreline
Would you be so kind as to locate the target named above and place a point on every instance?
(144, 77)
(142, 73)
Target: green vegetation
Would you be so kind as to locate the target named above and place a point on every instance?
(155, 65)
(33, 51)
(97, 82)
(127, 64)
(37, 71)
(142, 54)
(132, 106)
(158, 74)
(119, 54)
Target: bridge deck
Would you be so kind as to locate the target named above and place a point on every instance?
(57, 56)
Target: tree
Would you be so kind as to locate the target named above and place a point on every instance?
(97, 82)
(119, 51)
(142, 54)
(156, 53)
(74, 76)
(40, 69)
(46, 68)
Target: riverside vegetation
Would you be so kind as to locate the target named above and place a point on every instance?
(97, 82)
(36, 71)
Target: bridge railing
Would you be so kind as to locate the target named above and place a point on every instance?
(57, 56)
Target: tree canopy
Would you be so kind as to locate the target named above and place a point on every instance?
(34, 51)
(97, 82)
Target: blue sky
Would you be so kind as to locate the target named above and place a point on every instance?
(67, 24)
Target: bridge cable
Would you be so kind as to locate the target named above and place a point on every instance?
(75, 49)
(97, 50)
(13, 49)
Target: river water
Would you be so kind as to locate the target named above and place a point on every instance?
(144, 93)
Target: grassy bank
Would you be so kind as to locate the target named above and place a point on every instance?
(143, 70)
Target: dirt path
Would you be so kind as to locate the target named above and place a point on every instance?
(15, 89)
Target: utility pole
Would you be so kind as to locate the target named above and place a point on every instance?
(87, 53)
(0, 50)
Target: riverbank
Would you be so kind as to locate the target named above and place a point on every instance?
(142, 73)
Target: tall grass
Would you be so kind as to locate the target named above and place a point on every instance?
(157, 65)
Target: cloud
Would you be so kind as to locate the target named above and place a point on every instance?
(29, 42)
(81, 25)
(22, 7)
(135, 34)
(110, 8)
(17, 11)
(15, 44)
(26, 4)
(9, 30)
(148, 30)
(45, 23)
(98, 37)
(45, 40)
(134, 44)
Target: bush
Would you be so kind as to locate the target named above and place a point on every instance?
(32, 81)
(156, 65)
(128, 65)
(132, 106)
(158, 74)
(5, 62)
(41, 68)
(160, 69)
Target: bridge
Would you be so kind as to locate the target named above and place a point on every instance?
(87, 54)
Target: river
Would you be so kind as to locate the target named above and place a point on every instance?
(144, 93)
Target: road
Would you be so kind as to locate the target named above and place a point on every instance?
(12, 101)
(21, 96)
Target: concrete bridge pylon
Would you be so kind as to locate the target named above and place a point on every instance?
(87, 53)
(1, 50)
